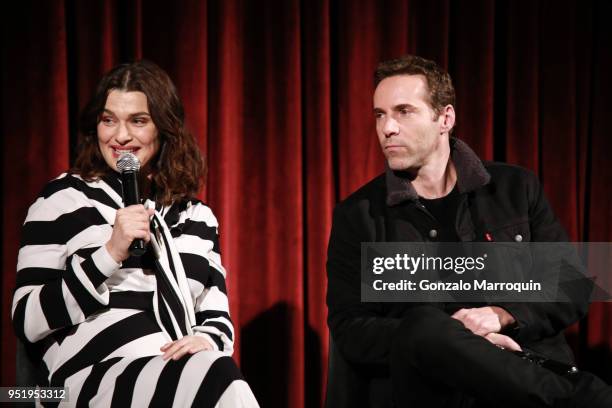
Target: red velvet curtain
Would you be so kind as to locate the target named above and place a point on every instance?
(278, 94)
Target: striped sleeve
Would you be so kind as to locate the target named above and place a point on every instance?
(199, 250)
(58, 283)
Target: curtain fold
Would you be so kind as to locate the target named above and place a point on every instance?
(279, 97)
(318, 189)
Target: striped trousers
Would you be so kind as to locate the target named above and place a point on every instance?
(207, 379)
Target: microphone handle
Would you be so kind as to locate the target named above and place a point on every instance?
(131, 197)
(137, 247)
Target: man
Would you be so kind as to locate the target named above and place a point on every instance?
(436, 189)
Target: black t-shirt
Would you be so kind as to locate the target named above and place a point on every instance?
(444, 210)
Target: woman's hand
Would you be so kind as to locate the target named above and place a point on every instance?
(130, 223)
(188, 344)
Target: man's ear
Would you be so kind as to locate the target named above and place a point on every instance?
(447, 119)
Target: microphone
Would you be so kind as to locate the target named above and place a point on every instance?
(129, 165)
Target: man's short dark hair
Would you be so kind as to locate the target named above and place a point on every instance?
(439, 83)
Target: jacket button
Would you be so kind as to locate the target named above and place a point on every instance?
(433, 233)
(518, 238)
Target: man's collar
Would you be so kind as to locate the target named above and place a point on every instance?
(471, 174)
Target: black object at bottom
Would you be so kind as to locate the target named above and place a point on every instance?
(553, 365)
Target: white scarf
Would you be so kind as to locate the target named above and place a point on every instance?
(172, 301)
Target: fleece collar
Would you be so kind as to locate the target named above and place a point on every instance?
(471, 174)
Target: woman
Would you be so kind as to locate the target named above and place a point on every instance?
(117, 329)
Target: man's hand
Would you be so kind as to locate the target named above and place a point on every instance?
(488, 322)
(503, 341)
(188, 344)
(484, 320)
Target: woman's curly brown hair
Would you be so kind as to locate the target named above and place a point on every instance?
(178, 170)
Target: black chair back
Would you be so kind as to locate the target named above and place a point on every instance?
(27, 373)
(348, 388)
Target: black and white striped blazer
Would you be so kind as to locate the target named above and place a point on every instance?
(65, 275)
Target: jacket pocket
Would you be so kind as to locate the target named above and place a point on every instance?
(517, 231)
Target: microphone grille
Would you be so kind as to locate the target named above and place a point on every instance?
(128, 162)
